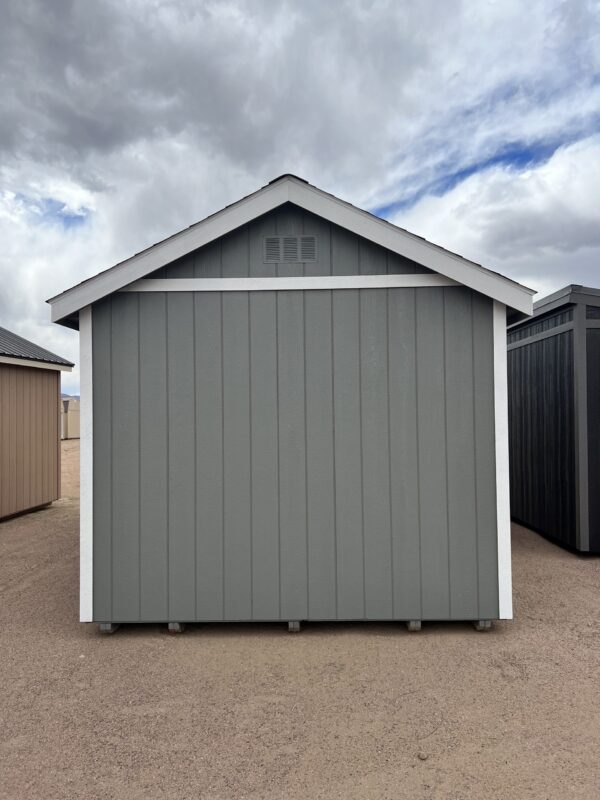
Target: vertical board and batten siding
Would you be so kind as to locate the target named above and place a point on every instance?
(593, 428)
(29, 438)
(543, 430)
(294, 455)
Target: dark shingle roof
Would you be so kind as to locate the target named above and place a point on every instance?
(13, 346)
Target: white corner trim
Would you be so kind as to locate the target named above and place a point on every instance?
(289, 284)
(86, 464)
(502, 463)
(28, 362)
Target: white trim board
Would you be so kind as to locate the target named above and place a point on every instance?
(28, 362)
(288, 284)
(502, 463)
(286, 189)
(86, 468)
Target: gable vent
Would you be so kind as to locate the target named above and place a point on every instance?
(272, 248)
(308, 248)
(290, 249)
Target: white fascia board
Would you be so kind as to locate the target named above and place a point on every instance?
(299, 283)
(502, 463)
(27, 362)
(86, 470)
(405, 244)
(310, 198)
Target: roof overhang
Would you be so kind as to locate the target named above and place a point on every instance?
(31, 362)
(290, 189)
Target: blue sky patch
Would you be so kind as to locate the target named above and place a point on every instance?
(48, 210)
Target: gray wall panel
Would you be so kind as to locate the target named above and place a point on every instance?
(125, 457)
(236, 457)
(330, 454)
(154, 494)
(462, 510)
(182, 455)
(292, 455)
(433, 493)
(348, 482)
(320, 465)
(485, 448)
(209, 457)
(375, 455)
(404, 455)
(265, 456)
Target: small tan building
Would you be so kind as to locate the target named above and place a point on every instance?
(29, 424)
(69, 418)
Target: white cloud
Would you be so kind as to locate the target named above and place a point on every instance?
(147, 116)
(540, 226)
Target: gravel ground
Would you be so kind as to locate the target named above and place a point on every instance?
(250, 711)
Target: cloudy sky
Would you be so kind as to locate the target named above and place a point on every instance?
(475, 124)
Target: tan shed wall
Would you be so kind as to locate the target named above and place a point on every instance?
(29, 438)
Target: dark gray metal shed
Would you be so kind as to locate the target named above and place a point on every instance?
(554, 412)
(294, 410)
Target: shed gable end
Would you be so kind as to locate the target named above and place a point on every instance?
(337, 251)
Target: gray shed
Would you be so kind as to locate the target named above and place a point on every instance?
(294, 410)
(554, 401)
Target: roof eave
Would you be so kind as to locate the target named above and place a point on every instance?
(289, 188)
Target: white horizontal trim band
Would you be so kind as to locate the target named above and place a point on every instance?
(27, 362)
(289, 284)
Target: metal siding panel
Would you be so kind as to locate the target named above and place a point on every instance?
(292, 455)
(462, 517)
(209, 457)
(264, 448)
(125, 458)
(236, 455)
(102, 479)
(593, 429)
(348, 475)
(404, 457)
(153, 459)
(320, 465)
(542, 436)
(485, 455)
(182, 455)
(375, 455)
(432, 454)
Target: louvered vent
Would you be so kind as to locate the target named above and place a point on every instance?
(290, 249)
(272, 248)
(308, 248)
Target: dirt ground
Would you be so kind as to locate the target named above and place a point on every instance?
(250, 711)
